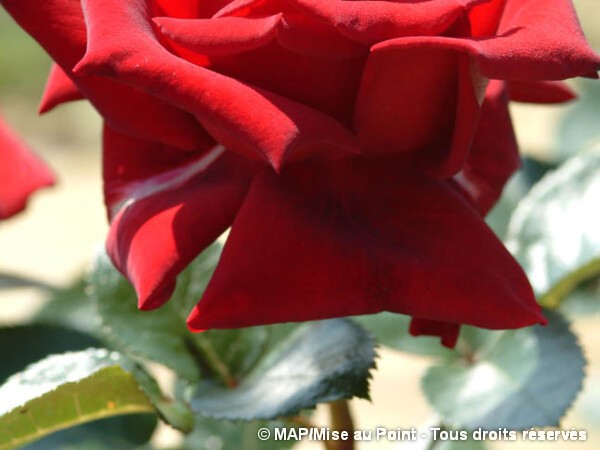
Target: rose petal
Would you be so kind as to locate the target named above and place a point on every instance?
(419, 100)
(540, 91)
(306, 36)
(182, 9)
(545, 37)
(162, 222)
(494, 156)
(406, 100)
(448, 332)
(188, 8)
(471, 88)
(369, 22)
(21, 173)
(324, 85)
(135, 168)
(485, 18)
(225, 36)
(248, 120)
(238, 8)
(59, 27)
(238, 48)
(537, 40)
(298, 32)
(59, 89)
(357, 237)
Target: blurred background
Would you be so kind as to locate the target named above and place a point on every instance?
(54, 239)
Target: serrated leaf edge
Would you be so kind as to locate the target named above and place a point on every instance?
(457, 426)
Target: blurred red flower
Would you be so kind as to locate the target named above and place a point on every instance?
(21, 173)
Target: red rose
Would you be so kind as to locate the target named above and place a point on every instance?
(361, 147)
(21, 173)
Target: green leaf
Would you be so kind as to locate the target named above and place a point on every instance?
(517, 187)
(12, 281)
(318, 362)
(533, 170)
(160, 335)
(192, 282)
(25, 344)
(391, 330)
(232, 358)
(578, 130)
(230, 354)
(127, 432)
(223, 434)
(225, 354)
(509, 379)
(36, 342)
(554, 230)
(70, 308)
(499, 217)
(65, 390)
(584, 300)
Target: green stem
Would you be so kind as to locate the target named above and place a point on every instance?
(341, 420)
(560, 290)
(212, 359)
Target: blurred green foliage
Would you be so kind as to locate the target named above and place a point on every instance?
(23, 65)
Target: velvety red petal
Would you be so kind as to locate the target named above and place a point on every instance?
(59, 27)
(59, 89)
(325, 85)
(406, 100)
(248, 120)
(161, 222)
(369, 22)
(545, 39)
(136, 168)
(228, 35)
(423, 100)
(494, 156)
(298, 32)
(188, 9)
(180, 9)
(307, 36)
(448, 332)
(540, 91)
(21, 173)
(310, 63)
(358, 237)
(485, 18)
(447, 160)
(238, 8)
(537, 40)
